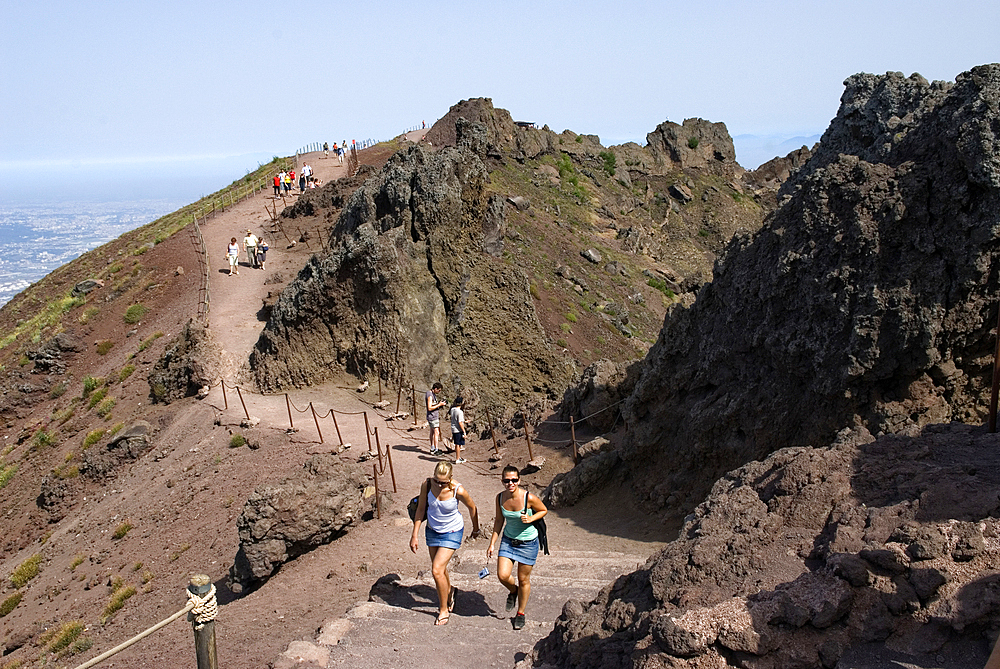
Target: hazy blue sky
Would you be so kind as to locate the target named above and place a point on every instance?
(88, 84)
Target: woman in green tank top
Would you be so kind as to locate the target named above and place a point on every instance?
(517, 511)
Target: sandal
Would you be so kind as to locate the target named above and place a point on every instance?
(441, 621)
(451, 599)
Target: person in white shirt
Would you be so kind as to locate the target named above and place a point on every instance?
(457, 416)
(250, 246)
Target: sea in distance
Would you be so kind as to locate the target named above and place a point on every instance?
(47, 222)
(38, 238)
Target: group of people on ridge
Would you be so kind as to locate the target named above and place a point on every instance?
(255, 247)
(515, 535)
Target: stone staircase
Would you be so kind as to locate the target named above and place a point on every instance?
(395, 628)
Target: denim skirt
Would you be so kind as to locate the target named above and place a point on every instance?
(444, 539)
(526, 553)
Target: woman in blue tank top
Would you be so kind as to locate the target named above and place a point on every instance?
(517, 511)
(439, 498)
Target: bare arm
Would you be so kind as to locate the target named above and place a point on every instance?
(419, 517)
(538, 509)
(497, 527)
(466, 499)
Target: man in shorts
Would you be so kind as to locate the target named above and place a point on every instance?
(434, 416)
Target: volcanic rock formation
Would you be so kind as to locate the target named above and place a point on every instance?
(867, 298)
(413, 285)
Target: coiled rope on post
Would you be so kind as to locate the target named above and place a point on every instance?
(204, 608)
(138, 637)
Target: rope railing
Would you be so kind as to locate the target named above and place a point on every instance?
(202, 608)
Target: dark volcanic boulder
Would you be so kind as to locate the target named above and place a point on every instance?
(188, 363)
(867, 298)
(100, 462)
(807, 556)
(411, 286)
(282, 521)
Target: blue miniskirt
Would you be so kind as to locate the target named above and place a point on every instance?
(526, 553)
(444, 539)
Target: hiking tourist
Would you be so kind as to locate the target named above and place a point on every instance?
(233, 255)
(439, 498)
(277, 185)
(262, 249)
(326, 149)
(457, 417)
(250, 246)
(517, 511)
(433, 415)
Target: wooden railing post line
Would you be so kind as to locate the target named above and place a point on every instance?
(572, 436)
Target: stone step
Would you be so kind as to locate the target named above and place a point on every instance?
(397, 629)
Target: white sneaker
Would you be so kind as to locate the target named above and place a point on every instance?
(460, 461)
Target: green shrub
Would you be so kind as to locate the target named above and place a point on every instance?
(125, 372)
(10, 604)
(610, 162)
(77, 561)
(26, 571)
(92, 438)
(6, 474)
(692, 142)
(114, 429)
(104, 410)
(44, 438)
(121, 531)
(91, 383)
(105, 346)
(562, 342)
(571, 317)
(135, 313)
(118, 599)
(61, 638)
(96, 397)
(237, 441)
(58, 390)
(579, 139)
(660, 285)
(114, 269)
(88, 314)
(533, 289)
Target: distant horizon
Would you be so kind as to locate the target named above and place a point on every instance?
(187, 179)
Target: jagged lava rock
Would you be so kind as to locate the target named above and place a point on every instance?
(313, 507)
(412, 283)
(866, 298)
(800, 558)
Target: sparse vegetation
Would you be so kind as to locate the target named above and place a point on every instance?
(135, 313)
(43, 438)
(125, 372)
(10, 604)
(180, 551)
(6, 474)
(120, 594)
(105, 408)
(660, 285)
(26, 571)
(149, 340)
(121, 531)
(571, 317)
(90, 384)
(61, 638)
(105, 346)
(66, 472)
(610, 162)
(77, 561)
(137, 566)
(115, 429)
(58, 390)
(88, 314)
(237, 440)
(147, 576)
(692, 142)
(92, 438)
(96, 397)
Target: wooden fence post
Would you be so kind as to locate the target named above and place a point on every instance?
(316, 420)
(288, 405)
(572, 436)
(242, 402)
(204, 634)
(527, 437)
(368, 433)
(333, 415)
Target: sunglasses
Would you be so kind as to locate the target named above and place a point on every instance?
(508, 481)
(435, 481)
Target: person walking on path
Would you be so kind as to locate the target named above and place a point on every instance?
(457, 417)
(439, 498)
(516, 512)
(233, 254)
(277, 186)
(262, 249)
(433, 415)
(250, 246)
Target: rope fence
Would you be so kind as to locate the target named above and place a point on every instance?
(201, 608)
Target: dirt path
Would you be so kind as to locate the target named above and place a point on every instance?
(317, 590)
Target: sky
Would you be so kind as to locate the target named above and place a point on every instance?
(133, 91)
